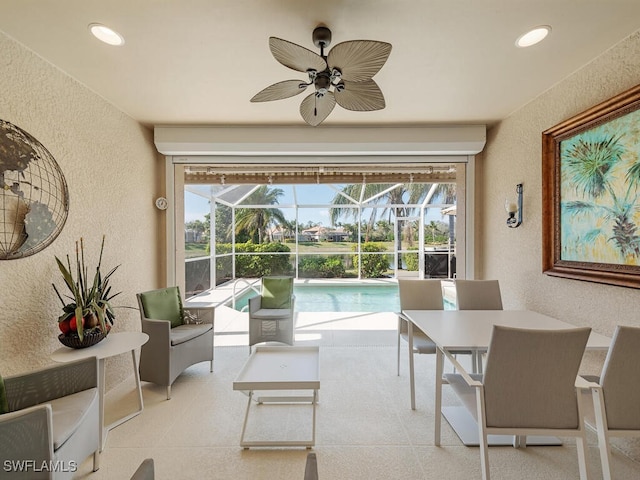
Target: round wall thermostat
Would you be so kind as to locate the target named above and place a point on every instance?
(162, 203)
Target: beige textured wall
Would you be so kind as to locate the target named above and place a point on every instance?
(513, 155)
(110, 164)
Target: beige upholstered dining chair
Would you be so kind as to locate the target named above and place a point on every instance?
(616, 393)
(528, 388)
(311, 467)
(271, 317)
(174, 344)
(416, 294)
(146, 471)
(478, 295)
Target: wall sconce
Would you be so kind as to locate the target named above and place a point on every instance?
(514, 208)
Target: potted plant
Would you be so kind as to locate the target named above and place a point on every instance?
(86, 309)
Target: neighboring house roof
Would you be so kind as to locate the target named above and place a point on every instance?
(324, 231)
(452, 210)
(315, 230)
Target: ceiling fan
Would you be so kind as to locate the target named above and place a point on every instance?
(344, 76)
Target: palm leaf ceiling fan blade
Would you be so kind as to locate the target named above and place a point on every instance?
(280, 90)
(315, 109)
(344, 76)
(359, 60)
(360, 96)
(295, 57)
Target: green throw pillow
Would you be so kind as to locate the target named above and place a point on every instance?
(4, 403)
(164, 304)
(276, 292)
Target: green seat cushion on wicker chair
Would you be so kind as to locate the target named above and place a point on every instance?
(276, 292)
(4, 403)
(164, 304)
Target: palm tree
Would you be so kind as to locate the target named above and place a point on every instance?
(288, 229)
(386, 194)
(351, 193)
(433, 229)
(197, 226)
(255, 221)
(384, 230)
(592, 166)
(448, 193)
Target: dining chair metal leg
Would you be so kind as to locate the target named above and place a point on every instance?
(482, 435)
(411, 366)
(438, 397)
(603, 433)
(519, 441)
(581, 441)
(581, 447)
(398, 346)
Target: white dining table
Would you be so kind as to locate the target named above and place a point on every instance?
(470, 330)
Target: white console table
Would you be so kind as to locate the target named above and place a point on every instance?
(114, 344)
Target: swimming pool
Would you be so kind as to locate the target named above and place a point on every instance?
(341, 298)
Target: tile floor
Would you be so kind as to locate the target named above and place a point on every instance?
(365, 427)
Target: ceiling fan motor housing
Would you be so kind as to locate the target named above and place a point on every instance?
(321, 37)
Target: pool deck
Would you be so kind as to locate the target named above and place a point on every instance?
(313, 328)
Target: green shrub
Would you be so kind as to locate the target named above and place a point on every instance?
(333, 267)
(373, 266)
(321, 267)
(255, 266)
(411, 261)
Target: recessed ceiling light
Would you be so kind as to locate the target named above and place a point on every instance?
(533, 36)
(106, 35)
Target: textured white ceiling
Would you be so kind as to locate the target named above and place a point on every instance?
(200, 61)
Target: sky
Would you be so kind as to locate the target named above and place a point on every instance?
(196, 207)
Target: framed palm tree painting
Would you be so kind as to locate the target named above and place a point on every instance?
(591, 194)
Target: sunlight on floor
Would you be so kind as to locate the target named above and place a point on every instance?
(231, 326)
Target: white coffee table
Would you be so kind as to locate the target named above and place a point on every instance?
(280, 368)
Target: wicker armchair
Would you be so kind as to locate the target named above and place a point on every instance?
(173, 343)
(271, 317)
(53, 422)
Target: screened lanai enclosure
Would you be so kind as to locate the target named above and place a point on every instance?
(357, 222)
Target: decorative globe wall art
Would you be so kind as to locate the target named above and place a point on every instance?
(34, 199)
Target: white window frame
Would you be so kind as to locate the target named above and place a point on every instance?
(174, 174)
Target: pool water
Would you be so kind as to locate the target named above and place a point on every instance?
(342, 298)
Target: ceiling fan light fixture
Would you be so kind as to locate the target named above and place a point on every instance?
(106, 34)
(533, 36)
(322, 83)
